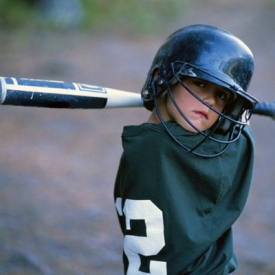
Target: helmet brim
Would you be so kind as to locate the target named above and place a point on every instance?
(221, 80)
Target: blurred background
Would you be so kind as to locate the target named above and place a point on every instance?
(58, 166)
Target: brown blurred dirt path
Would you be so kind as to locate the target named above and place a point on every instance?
(58, 167)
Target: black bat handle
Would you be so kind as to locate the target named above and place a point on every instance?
(265, 109)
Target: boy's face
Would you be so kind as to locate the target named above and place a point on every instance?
(198, 114)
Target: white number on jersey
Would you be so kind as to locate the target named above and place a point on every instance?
(146, 246)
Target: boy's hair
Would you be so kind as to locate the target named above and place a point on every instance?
(210, 54)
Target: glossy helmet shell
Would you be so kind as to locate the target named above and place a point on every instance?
(204, 52)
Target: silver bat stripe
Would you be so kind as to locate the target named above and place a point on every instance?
(93, 92)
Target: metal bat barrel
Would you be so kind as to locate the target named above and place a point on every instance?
(59, 94)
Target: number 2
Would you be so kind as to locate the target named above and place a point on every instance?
(146, 246)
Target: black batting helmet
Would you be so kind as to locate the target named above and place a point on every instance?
(211, 54)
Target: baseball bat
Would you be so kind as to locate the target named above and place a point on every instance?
(265, 109)
(59, 94)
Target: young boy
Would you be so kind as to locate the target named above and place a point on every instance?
(185, 174)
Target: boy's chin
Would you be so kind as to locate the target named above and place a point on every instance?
(190, 128)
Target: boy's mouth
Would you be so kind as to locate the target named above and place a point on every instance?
(201, 114)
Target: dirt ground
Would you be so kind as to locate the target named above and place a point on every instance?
(58, 166)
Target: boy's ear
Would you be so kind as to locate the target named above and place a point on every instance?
(156, 74)
(158, 80)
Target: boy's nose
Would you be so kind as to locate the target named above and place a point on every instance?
(209, 97)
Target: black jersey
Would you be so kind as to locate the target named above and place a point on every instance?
(176, 209)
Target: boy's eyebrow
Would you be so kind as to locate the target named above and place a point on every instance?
(232, 94)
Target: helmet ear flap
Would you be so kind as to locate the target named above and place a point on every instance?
(233, 110)
(149, 92)
(159, 83)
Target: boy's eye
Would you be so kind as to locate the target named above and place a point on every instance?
(223, 95)
(200, 84)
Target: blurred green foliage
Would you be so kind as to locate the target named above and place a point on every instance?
(98, 14)
(131, 14)
(16, 13)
